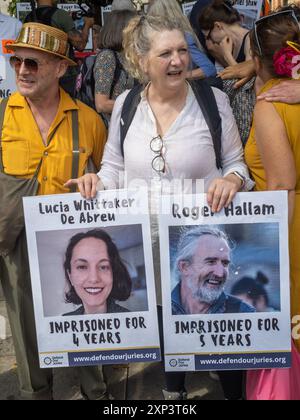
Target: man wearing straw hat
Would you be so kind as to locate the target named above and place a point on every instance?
(38, 132)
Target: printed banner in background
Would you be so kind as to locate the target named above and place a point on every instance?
(72, 259)
(22, 10)
(7, 74)
(104, 13)
(248, 9)
(214, 322)
(187, 7)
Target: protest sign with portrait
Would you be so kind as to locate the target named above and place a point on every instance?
(226, 286)
(92, 278)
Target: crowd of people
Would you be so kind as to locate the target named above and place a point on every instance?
(162, 59)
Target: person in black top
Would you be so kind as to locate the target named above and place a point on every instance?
(253, 291)
(95, 274)
(225, 38)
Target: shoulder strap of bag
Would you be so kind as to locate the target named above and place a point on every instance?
(208, 104)
(128, 112)
(75, 134)
(3, 106)
(117, 73)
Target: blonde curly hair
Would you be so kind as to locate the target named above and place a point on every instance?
(170, 9)
(137, 40)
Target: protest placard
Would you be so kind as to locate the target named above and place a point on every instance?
(92, 278)
(23, 9)
(226, 292)
(249, 11)
(105, 11)
(187, 7)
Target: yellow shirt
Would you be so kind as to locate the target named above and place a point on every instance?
(23, 145)
(290, 117)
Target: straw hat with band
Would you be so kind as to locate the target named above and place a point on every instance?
(43, 38)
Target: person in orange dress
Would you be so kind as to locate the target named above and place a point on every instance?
(273, 149)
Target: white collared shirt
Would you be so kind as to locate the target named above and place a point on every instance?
(189, 151)
(189, 155)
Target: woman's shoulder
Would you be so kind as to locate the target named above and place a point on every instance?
(220, 95)
(223, 103)
(114, 307)
(121, 99)
(106, 52)
(78, 311)
(106, 55)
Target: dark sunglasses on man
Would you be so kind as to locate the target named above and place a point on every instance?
(31, 64)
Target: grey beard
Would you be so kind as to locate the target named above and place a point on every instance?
(205, 294)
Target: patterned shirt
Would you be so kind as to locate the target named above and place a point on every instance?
(242, 101)
(104, 74)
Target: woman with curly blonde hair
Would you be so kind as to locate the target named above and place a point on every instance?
(201, 66)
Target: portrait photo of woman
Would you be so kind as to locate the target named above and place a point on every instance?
(92, 271)
(95, 274)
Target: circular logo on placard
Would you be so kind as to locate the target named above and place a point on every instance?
(47, 361)
(173, 362)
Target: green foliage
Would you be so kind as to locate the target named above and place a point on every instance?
(12, 8)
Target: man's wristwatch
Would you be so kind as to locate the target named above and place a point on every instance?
(241, 177)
